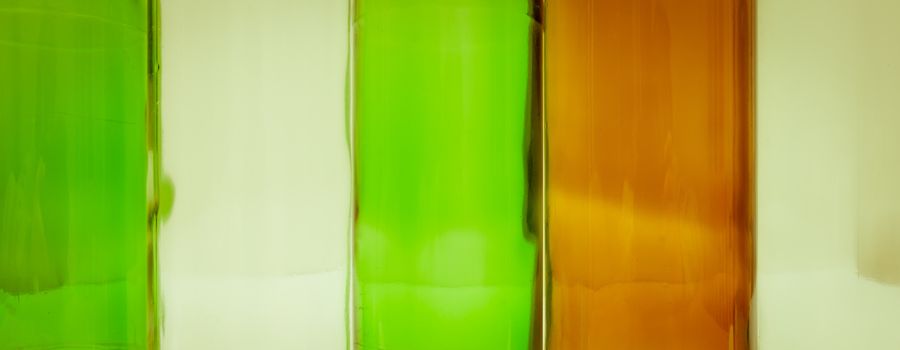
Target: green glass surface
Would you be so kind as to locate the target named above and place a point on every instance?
(77, 212)
(446, 108)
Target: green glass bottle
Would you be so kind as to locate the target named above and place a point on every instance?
(77, 174)
(446, 140)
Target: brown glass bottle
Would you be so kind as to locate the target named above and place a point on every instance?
(651, 190)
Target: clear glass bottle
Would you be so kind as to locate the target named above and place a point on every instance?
(78, 155)
(650, 134)
(446, 141)
(254, 253)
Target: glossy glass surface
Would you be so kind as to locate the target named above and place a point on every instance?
(650, 165)
(446, 104)
(77, 154)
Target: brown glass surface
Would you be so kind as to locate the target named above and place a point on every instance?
(650, 130)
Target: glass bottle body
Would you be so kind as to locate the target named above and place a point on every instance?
(445, 109)
(650, 163)
(77, 155)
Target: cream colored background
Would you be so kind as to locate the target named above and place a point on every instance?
(254, 254)
(829, 174)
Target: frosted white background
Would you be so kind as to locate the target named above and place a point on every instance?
(829, 174)
(254, 254)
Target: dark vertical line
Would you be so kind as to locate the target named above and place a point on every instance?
(749, 6)
(535, 166)
(153, 138)
(545, 199)
(350, 132)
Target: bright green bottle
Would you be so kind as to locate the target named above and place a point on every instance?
(77, 175)
(446, 135)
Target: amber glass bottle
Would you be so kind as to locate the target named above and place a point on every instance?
(651, 159)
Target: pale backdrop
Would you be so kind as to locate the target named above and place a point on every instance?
(254, 255)
(829, 174)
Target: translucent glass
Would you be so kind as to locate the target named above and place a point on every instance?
(77, 174)
(447, 173)
(254, 253)
(829, 164)
(650, 173)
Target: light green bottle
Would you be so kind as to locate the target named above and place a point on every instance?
(446, 139)
(77, 175)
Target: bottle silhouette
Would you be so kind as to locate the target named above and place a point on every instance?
(446, 105)
(78, 155)
(650, 173)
